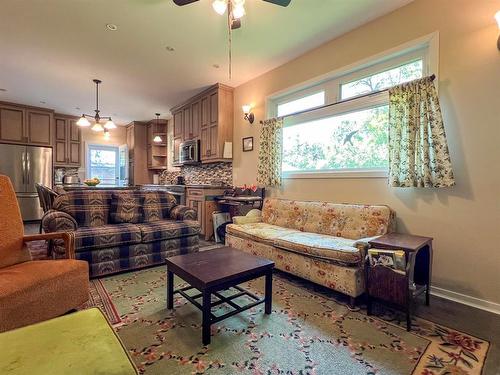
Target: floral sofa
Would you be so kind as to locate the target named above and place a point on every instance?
(123, 230)
(318, 241)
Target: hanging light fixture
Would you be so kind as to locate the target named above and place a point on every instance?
(97, 127)
(157, 138)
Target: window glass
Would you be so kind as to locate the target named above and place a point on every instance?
(355, 140)
(307, 102)
(382, 80)
(103, 164)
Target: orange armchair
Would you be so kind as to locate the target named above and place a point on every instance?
(32, 291)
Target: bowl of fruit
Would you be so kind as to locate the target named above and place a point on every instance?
(92, 181)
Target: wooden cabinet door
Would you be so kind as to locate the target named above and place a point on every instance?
(186, 117)
(205, 111)
(214, 108)
(61, 141)
(204, 143)
(195, 119)
(12, 124)
(39, 127)
(177, 142)
(198, 206)
(178, 124)
(74, 143)
(214, 142)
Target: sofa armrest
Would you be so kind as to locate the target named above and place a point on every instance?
(58, 221)
(67, 237)
(182, 213)
(240, 220)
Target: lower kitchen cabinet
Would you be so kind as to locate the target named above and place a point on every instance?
(202, 200)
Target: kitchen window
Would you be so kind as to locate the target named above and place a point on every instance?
(103, 162)
(349, 139)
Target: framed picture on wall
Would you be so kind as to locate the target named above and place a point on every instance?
(247, 144)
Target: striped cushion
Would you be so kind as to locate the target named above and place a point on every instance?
(126, 208)
(88, 238)
(167, 229)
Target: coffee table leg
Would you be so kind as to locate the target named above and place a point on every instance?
(170, 290)
(207, 310)
(269, 292)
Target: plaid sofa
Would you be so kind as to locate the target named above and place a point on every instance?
(322, 242)
(167, 229)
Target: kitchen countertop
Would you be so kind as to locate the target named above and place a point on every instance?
(85, 187)
(208, 186)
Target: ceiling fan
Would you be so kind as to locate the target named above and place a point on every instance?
(235, 10)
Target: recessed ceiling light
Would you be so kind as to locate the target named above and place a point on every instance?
(42, 102)
(170, 48)
(216, 66)
(111, 27)
(77, 108)
(3, 90)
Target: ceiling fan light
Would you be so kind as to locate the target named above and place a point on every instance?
(157, 139)
(238, 11)
(109, 125)
(97, 127)
(220, 6)
(82, 121)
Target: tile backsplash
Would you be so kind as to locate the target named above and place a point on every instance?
(210, 174)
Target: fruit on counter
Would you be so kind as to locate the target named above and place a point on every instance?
(92, 181)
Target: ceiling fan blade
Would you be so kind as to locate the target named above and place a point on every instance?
(183, 2)
(235, 24)
(283, 3)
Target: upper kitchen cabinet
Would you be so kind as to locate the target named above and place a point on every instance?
(25, 125)
(137, 153)
(67, 141)
(208, 117)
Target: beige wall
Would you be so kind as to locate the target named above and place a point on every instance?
(463, 220)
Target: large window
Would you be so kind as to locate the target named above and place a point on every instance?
(350, 137)
(103, 162)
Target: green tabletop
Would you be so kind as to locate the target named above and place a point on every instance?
(78, 343)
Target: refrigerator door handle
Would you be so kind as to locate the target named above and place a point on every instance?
(28, 167)
(23, 162)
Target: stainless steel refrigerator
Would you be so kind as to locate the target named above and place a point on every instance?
(27, 165)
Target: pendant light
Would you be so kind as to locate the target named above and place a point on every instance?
(157, 138)
(97, 127)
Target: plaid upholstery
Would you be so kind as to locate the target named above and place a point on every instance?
(57, 221)
(183, 213)
(130, 257)
(87, 238)
(126, 208)
(167, 229)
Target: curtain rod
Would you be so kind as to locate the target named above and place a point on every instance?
(432, 77)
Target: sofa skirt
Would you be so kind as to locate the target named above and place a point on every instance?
(111, 260)
(347, 280)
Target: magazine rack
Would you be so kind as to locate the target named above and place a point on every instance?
(400, 288)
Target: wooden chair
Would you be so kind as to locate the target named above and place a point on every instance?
(46, 197)
(33, 291)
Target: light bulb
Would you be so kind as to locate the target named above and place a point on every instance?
(82, 121)
(157, 139)
(107, 136)
(246, 108)
(497, 17)
(220, 6)
(97, 127)
(109, 125)
(238, 11)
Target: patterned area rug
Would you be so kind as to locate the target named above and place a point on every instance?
(99, 297)
(309, 332)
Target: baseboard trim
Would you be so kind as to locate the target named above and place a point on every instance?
(478, 303)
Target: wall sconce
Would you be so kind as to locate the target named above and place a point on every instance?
(497, 17)
(247, 108)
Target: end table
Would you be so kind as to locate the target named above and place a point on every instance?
(383, 283)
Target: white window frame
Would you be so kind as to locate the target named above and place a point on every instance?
(425, 48)
(91, 146)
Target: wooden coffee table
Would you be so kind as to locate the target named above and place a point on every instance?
(213, 271)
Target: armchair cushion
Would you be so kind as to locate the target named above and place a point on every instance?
(126, 209)
(112, 235)
(167, 229)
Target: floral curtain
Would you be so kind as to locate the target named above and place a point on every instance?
(418, 152)
(270, 152)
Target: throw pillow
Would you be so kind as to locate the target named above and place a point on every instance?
(126, 208)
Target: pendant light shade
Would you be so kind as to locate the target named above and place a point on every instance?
(97, 127)
(107, 136)
(109, 125)
(157, 138)
(82, 121)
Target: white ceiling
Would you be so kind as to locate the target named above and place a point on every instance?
(50, 50)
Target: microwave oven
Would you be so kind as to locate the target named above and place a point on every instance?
(189, 152)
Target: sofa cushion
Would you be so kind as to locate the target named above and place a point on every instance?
(320, 245)
(167, 229)
(259, 231)
(87, 238)
(340, 220)
(126, 209)
(157, 205)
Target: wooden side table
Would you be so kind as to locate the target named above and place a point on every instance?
(383, 283)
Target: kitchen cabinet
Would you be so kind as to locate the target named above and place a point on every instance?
(67, 141)
(202, 200)
(26, 125)
(208, 117)
(157, 152)
(136, 133)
